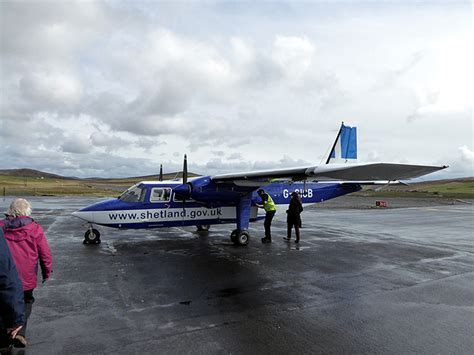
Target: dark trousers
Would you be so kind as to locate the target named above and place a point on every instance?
(5, 341)
(297, 230)
(29, 300)
(268, 222)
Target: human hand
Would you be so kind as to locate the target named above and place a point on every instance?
(12, 332)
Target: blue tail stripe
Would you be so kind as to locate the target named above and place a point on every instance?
(349, 142)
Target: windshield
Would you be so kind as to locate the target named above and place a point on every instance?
(133, 194)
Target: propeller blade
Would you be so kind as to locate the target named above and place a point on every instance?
(185, 179)
(161, 173)
(185, 169)
(184, 190)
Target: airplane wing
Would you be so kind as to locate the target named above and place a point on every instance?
(333, 172)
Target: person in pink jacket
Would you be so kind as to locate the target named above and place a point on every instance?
(28, 246)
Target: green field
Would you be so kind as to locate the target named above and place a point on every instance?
(456, 188)
(21, 186)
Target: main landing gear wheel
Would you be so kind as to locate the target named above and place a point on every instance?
(240, 237)
(92, 236)
(203, 228)
(233, 236)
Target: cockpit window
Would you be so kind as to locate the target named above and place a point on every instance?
(160, 194)
(133, 194)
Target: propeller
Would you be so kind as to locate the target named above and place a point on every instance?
(185, 170)
(185, 181)
(184, 190)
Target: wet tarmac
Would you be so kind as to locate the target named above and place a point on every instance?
(395, 280)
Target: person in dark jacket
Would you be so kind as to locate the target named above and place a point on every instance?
(293, 218)
(28, 246)
(12, 315)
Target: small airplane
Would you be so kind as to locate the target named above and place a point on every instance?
(232, 198)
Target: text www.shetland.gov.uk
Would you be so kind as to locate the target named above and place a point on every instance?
(165, 214)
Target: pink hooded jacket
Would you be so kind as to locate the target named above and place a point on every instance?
(28, 245)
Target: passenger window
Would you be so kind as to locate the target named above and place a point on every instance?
(160, 194)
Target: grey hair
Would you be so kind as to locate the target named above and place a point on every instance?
(19, 207)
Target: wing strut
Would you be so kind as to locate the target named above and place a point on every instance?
(335, 142)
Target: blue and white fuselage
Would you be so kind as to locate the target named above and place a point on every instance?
(154, 204)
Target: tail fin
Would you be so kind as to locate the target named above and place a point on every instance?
(344, 149)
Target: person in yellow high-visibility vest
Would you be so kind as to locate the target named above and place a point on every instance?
(269, 206)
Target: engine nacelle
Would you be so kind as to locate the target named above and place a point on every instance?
(205, 190)
(183, 191)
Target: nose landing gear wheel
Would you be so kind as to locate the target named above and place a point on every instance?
(203, 228)
(92, 236)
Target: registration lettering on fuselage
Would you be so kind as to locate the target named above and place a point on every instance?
(303, 192)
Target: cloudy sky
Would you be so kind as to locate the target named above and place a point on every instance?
(113, 88)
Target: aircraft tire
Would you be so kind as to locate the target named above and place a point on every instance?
(242, 238)
(233, 236)
(203, 228)
(92, 236)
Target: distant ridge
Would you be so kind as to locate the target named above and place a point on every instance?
(31, 173)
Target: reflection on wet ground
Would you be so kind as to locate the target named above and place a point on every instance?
(362, 280)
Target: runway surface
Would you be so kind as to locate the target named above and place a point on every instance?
(361, 281)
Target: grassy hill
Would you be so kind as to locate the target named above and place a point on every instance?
(29, 173)
(28, 182)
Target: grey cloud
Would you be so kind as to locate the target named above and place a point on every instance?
(113, 165)
(235, 156)
(148, 143)
(48, 29)
(70, 164)
(219, 165)
(28, 133)
(154, 125)
(76, 145)
(50, 90)
(171, 96)
(106, 106)
(110, 142)
(216, 165)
